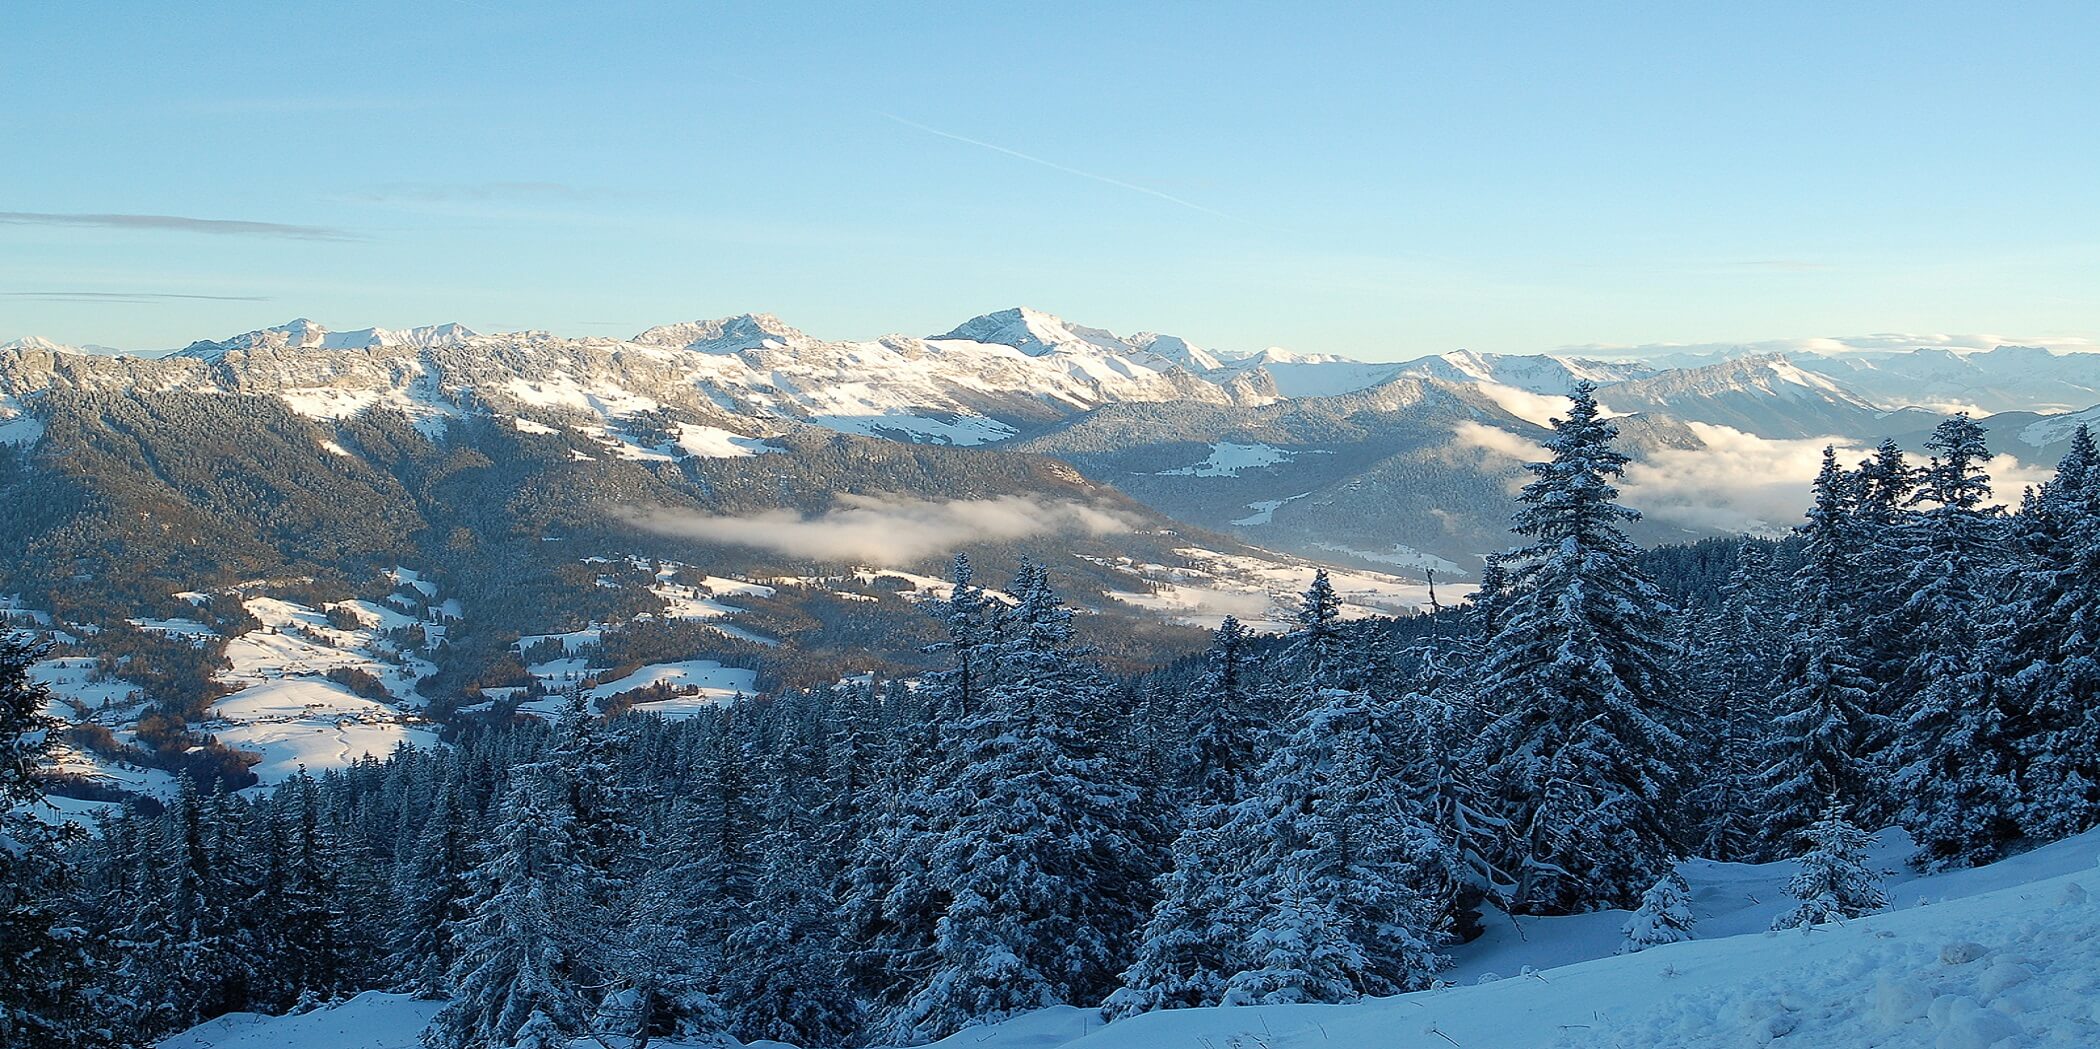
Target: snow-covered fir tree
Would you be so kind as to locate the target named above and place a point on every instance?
(1317, 655)
(518, 958)
(890, 902)
(1338, 836)
(1044, 857)
(1183, 949)
(1956, 769)
(783, 977)
(1226, 734)
(1835, 882)
(1579, 752)
(1664, 916)
(1825, 725)
(1879, 532)
(1300, 951)
(43, 957)
(432, 891)
(2046, 648)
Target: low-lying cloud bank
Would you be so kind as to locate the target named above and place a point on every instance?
(1740, 482)
(891, 531)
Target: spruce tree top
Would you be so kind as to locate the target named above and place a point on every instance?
(1569, 507)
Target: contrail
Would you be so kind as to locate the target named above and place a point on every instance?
(1055, 166)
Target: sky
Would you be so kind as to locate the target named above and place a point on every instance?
(1382, 180)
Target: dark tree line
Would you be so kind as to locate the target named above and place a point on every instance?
(1306, 818)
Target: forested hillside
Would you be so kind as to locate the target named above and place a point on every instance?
(1313, 817)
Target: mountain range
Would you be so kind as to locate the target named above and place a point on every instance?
(1400, 464)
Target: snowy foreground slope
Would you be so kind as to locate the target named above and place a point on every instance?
(2004, 956)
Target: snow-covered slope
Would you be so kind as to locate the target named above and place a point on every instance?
(288, 676)
(1999, 957)
(2005, 956)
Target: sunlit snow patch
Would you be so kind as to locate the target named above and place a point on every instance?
(1228, 459)
(1265, 510)
(956, 429)
(712, 442)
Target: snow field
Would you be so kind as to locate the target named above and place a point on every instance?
(1228, 459)
(1261, 593)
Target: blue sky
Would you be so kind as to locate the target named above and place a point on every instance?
(1383, 180)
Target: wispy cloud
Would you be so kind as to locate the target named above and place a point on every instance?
(123, 296)
(247, 105)
(174, 224)
(1055, 166)
(887, 531)
(468, 192)
(1786, 265)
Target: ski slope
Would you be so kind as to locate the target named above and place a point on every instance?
(1999, 957)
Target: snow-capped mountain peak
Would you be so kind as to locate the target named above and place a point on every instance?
(1177, 350)
(1034, 333)
(303, 334)
(39, 344)
(744, 331)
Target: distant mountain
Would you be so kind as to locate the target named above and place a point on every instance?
(307, 335)
(2009, 378)
(1541, 373)
(1769, 396)
(1412, 473)
(951, 389)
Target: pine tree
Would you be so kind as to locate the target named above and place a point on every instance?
(664, 960)
(1346, 879)
(1958, 767)
(1834, 883)
(1193, 928)
(1444, 717)
(1816, 744)
(1044, 859)
(309, 955)
(1878, 530)
(1224, 741)
(1826, 726)
(2048, 650)
(972, 624)
(853, 753)
(1579, 751)
(433, 892)
(1301, 951)
(1317, 654)
(890, 903)
(1724, 728)
(1182, 950)
(517, 959)
(194, 932)
(784, 979)
(43, 956)
(1665, 915)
